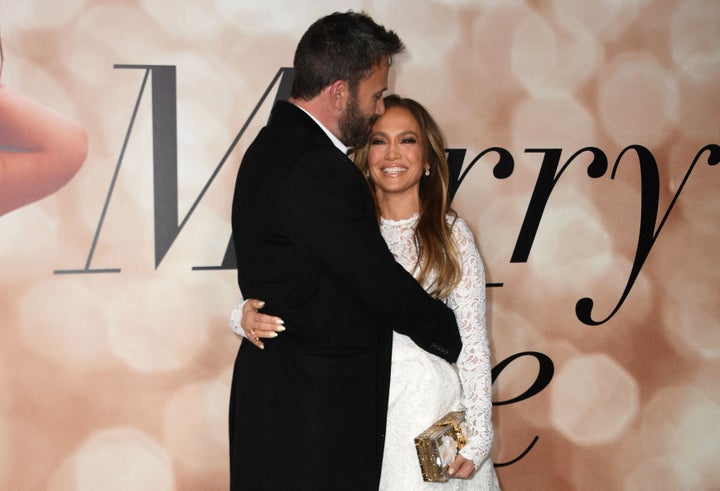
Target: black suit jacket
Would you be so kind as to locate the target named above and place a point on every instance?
(308, 411)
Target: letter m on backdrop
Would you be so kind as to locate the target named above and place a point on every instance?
(168, 226)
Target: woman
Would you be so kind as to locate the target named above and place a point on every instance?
(405, 165)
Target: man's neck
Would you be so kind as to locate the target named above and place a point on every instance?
(324, 112)
(314, 108)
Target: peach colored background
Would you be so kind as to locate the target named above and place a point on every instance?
(120, 381)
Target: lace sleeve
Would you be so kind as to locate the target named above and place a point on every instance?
(235, 319)
(468, 303)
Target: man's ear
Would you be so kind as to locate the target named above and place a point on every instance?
(339, 94)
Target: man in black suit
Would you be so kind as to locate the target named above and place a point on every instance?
(308, 412)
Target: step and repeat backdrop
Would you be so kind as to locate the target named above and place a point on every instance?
(583, 138)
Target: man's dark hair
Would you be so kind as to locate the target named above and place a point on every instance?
(341, 46)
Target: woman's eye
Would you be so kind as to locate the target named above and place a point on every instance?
(409, 140)
(377, 141)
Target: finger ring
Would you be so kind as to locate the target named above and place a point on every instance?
(253, 333)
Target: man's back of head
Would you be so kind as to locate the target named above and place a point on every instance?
(340, 46)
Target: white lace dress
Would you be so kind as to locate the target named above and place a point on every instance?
(424, 387)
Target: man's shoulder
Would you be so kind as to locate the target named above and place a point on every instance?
(289, 129)
(286, 115)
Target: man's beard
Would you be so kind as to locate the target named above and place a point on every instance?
(354, 126)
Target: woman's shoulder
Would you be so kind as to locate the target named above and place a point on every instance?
(459, 226)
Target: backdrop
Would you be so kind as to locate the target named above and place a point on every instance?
(584, 139)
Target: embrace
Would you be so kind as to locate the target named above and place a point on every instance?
(371, 290)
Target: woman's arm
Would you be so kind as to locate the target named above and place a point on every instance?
(468, 303)
(246, 321)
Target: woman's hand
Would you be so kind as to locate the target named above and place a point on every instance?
(462, 468)
(258, 326)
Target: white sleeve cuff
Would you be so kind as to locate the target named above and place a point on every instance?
(235, 318)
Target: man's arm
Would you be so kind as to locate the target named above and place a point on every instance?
(328, 213)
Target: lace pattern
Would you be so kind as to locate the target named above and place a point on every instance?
(468, 302)
(422, 380)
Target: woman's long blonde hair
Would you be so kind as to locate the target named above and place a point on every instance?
(433, 234)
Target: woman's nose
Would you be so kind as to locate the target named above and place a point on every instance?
(392, 152)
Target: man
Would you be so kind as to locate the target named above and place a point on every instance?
(308, 412)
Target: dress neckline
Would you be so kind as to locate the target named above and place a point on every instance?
(402, 221)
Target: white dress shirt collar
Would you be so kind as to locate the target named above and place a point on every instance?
(332, 137)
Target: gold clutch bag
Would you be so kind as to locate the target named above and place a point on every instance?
(438, 446)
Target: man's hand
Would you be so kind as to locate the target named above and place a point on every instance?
(462, 468)
(258, 326)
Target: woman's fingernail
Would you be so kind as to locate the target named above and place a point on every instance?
(272, 335)
(280, 328)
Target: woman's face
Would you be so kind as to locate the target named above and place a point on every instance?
(395, 156)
